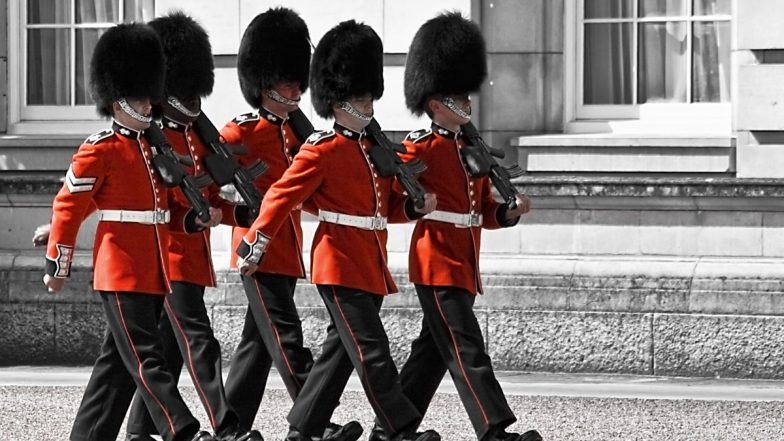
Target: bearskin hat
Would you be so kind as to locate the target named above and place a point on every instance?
(275, 47)
(447, 56)
(127, 62)
(189, 65)
(348, 62)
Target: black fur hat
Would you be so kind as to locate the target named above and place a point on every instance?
(447, 56)
(348, 62)
(275, 47)
(127, 62)
(189, 65)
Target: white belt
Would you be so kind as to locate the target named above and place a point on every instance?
(458, 219)
(363, 222)
(138, 217)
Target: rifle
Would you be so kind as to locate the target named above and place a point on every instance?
(480, 159)
(224, 169)
(168, 164)
(384, 155)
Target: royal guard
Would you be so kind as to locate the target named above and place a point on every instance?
(334, 172)
(113, 172)
(440, 75)
(273, 64)
(185, 324)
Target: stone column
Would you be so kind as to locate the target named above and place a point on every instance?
(758, 87)
(4, 68)
(524, 90)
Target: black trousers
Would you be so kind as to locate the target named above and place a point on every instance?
(272, 334)
(451, 338)
(131, 359)
(357, 340)
(186, 335)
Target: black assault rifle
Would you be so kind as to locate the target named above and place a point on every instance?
(384, 155)
(480, 159)
(169, 164)
(224, 169)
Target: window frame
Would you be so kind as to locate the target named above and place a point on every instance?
(645, 117)
(46, 119)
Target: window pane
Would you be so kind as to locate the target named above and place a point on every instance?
(711, 62)
(712, 7)
(48, 67)
(85, 45)
(139, 10)
(48, 11)
(662, 8)
(608, 8)
(662, 52)
(97, 11)
(607, 77)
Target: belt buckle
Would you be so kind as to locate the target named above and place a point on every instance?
(474, 220)
(159, 217)
(378, 223)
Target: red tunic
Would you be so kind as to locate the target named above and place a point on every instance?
(334, 171)
(269, 138)
(442, 254)
(112, 171)
(190, 256)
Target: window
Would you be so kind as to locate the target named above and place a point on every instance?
(634, 58)
(52, 51)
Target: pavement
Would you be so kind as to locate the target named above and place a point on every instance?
(40, 402)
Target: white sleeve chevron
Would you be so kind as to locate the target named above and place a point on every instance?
(78, 185)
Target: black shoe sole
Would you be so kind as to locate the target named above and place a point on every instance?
(531, 435)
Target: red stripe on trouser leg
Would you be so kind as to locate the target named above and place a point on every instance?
(277, 334)
(139, 364)
(460, 359)
(191, 368)
(361, 357)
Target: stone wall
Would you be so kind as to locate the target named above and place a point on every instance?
(676, 276)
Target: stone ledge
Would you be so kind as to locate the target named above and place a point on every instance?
(611, 140)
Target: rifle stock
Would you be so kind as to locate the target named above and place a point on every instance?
(225, 169)
(385, 156)
(482, 157)
(168, 165)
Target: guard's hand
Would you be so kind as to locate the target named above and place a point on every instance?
(430, 204)
(41, 235)
(215, 219)
(246, 268)
(523, 206)
(53, 284)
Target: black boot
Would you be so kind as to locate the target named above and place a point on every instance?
(202, 436)
(251, 435)
(427, 435)
(350, 431)
(378, 434)
(502, 435)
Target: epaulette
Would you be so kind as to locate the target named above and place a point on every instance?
(317, 137)
(418, 135)
(95, 138)
(245, 117)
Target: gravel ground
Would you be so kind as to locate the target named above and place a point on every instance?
(46, 413)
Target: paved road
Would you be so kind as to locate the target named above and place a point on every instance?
(39, 403)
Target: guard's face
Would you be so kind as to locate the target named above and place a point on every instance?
(463, 104)
(289, 90)
(191, 105)
(362, 103)
(141, 105)
(282, 98)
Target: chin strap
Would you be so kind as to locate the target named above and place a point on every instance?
(348, 108)
(452, 105)
(132, 113)
(275, 96)
(174, 102)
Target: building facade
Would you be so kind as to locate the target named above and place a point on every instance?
(651, 133)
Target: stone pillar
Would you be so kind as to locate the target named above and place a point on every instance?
(524, 90)
(4, 68)
(758, 87)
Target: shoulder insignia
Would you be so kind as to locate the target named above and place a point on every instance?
(321, 135)
(97, 137)
(245, 117)
(418, 135)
